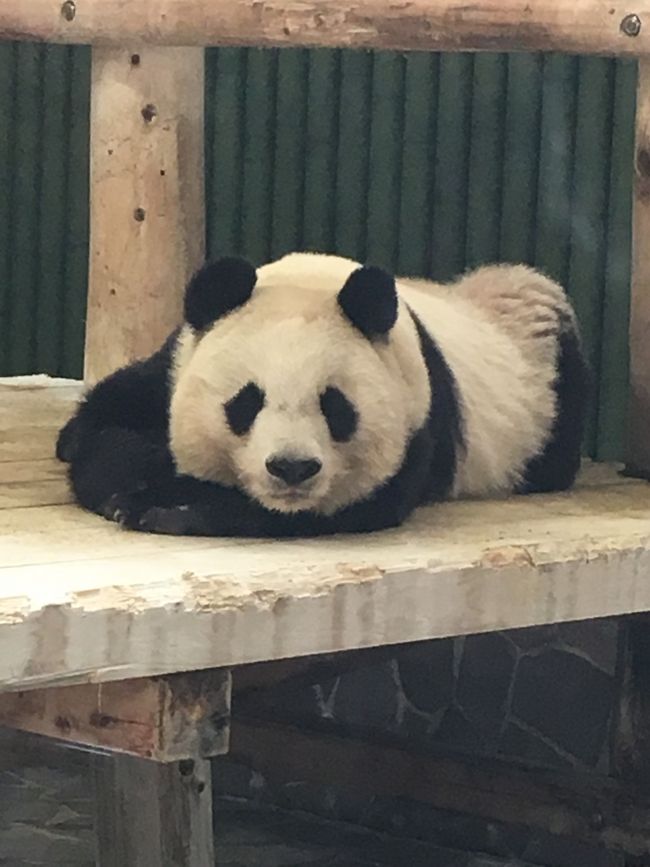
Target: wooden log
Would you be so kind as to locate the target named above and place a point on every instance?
(184, 716)
(631, 732)
(576, 26)
(153, 815)
(585, 807)
(146, 199)
(638, 458)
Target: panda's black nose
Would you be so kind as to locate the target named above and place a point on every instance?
(293, 472)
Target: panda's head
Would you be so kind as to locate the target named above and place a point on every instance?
(300, 384)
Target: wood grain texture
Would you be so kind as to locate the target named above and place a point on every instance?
(582, 26)
(182, 716)
(588, 808)
(152, 815)
(83, 601)
(146, 199)
(639, 412)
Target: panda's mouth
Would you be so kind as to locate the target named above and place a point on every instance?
(291, 499)
(291, 495)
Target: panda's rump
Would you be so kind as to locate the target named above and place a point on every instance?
(499, 330)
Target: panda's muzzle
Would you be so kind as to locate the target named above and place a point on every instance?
(293, 472)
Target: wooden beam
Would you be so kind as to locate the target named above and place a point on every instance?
(631, 732)
(638, 458)
(153, 815)
(183, 716)
(147, 226)
(576, 26)
(585, 807)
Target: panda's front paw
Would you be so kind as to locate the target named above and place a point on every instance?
(127, 509)
(175, 521)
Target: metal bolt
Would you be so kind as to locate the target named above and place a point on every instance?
(69, 10)
(139, 214)
(149, 113)
(631, 25)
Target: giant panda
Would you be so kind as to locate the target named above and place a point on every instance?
(316, 396)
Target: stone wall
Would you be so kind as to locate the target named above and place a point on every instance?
(545, 695)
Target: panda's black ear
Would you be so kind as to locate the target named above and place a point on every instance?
(216, 289)
(369, 300)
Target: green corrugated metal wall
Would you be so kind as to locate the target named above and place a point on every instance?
(423, 163)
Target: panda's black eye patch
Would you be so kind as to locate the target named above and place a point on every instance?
(340, 414)
(243, 408)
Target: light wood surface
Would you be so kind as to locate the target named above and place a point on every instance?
(147, 226)
(575, 26)
(82, 600)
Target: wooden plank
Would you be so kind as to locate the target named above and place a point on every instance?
(585, 808)
(582, 26)
(639, 411)
(153, 815)
(83, 601)
(33, 483)
(33, 410)
(183, 716)
(147, 199)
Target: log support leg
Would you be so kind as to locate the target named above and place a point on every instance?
(153, 815)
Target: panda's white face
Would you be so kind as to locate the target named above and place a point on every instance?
(286, 400)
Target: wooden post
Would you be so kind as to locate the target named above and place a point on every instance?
(146, 198)
(631, 735)
(638, 459)
(153, 815)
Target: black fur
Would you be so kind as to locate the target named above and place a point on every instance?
(116, 443)
(242, 410)
(369, 300)
(341, 416)
(558, 465)
(444, 423)
(217, 289)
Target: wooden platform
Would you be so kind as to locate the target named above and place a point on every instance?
(83, 601)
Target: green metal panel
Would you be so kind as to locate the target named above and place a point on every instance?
(43, 207)
(424, 163)
(429, 164)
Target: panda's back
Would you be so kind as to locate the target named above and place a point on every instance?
(498, 329)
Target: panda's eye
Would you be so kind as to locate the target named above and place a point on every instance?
(242, 409)
(340, 414)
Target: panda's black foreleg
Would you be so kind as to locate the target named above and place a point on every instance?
(205, 509)
(116, 463)
(116, 442)
(228, 512)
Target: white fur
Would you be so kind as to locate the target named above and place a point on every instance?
(496, 328)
